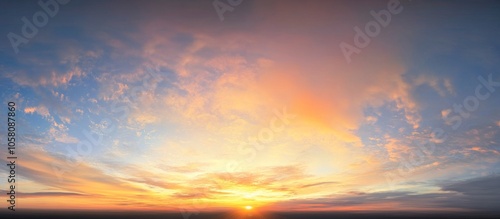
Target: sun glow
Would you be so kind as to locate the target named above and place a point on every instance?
(248, 207)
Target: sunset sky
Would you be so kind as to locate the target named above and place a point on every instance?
(163, 105)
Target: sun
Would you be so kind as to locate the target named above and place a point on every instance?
(248, 207)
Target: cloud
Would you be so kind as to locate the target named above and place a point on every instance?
(223, 90)
(371, 120)
(441, 86)
(57, 131)
(448, 86)
(445, 113)
(478, 193)
(473, 194)
(30, 110)
(211, 69)
(41, 110)
(319, 184)
(80, 181)
(51, 78)
(396, 148)
(45, 194)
